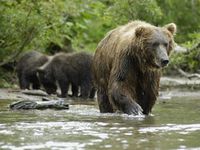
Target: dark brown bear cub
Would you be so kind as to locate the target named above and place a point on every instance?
(27, 69)
(127, 66)
(66, 69)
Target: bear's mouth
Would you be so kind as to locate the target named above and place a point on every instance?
(157, 66)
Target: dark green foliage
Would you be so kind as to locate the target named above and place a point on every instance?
(34, 24)
(185, 14)
(188, 61)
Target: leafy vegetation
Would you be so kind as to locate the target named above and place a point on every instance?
(34, 24)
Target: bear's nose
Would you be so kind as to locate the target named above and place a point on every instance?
(164, 62)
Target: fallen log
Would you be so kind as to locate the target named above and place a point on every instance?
(28, 104)
(34, 92)
(187, 75)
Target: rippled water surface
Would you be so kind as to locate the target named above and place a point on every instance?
(175, 124)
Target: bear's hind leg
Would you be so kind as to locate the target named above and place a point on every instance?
(103, 101)
(85, 90)
(74, 90)
(64, 86)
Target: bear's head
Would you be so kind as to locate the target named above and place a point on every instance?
(156, 44)
(47, 80)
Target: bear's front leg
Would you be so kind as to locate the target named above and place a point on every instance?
(74, 90)
(35, 83)
(103, 102)
(24, 82)
(64, 86)
(122, 100)
(92, 92)
(85, 90)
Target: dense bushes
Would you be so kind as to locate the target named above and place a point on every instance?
(35, 24)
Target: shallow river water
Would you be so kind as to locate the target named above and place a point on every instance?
(174, 124)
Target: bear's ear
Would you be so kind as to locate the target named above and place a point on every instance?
(142, 31)
(139, 31)
(171, 27)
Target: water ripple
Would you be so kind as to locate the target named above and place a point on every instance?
(172, 127)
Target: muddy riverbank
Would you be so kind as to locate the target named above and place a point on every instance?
(169, 87)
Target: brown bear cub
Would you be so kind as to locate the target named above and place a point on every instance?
(27, 69)
(66, 69)
(127, 66)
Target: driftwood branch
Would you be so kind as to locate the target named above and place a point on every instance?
(187, 75)
(27, 104)
(185, 50)
(34, 92)
(182, 72)
(196, 46)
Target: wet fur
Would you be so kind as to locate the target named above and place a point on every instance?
(71, 68)
(27, 69)
(124, 71)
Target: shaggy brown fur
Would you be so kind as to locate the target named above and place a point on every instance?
(127, 66)
(66, 69)
(27, 69)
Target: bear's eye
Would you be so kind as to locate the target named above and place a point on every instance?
(165, 44)
(155, 44)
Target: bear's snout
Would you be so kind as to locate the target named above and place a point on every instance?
(164, 62)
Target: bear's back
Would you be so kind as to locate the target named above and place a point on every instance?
(77, 61)
(31, 60)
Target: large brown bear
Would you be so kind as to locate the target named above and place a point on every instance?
(66, 69)
(127, 66)
(27, 68)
